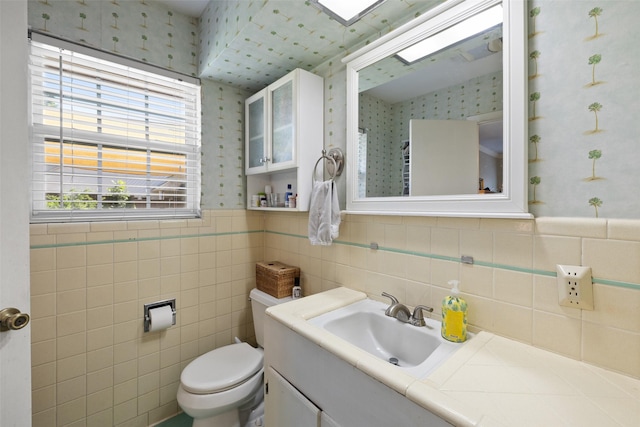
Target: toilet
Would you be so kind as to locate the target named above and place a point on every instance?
(223, 388)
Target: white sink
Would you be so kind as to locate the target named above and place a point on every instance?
(417, 350)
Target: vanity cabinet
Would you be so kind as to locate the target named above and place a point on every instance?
(309, 378)
(284, 136)
(286, 405)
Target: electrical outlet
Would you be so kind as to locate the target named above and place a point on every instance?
(575, 287)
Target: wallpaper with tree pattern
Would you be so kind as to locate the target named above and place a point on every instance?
(141, 29)
(582, 60)
(584, 133)
(384, 167)
(148, 31)
(252, 43)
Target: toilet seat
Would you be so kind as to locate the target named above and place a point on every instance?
(221, 369)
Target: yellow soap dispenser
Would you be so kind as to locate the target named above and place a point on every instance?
(454, 315)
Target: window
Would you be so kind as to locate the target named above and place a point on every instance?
(110, 141)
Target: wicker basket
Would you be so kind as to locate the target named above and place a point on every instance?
(275, 278)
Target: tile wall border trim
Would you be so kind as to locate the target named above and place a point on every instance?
(141, 239)
(616, 283)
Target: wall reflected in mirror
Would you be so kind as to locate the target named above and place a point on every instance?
(462, 82)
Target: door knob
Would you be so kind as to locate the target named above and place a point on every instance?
(11, 318)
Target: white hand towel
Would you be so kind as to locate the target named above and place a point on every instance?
(324, 213)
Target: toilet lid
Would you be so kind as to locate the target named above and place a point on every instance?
(221, 369)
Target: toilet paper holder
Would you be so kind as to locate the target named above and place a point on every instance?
(147, 307)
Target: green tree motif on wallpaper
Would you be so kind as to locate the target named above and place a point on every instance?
(144, 40)
(193, 59)
(193, 38)
(594, 13)
(115, 20)
(535, 181)
(593, 61)
(115, 42)
(82, 16)
(45, 18)
(534, 98)
(595, 108)
(535, 139)
(533, 14)
(170, 57)
(594, 155)
(301, 26)
(170, 40)
(170, 15)
(45, 2)
(144, 20)
(596, 203)
(534, 57)
(274, 33)
(277, 12)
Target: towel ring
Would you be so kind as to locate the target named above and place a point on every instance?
(334, 168)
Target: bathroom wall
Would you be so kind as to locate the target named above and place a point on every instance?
(577, 167)
(92, 363)
(511, 289)
(583, 150)
(384, 157)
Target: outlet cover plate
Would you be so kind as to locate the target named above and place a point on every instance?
(575, 287)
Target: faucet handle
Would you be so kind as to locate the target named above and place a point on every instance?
(394, 301)
(418, 316)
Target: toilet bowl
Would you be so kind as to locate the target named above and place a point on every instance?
(223, 388)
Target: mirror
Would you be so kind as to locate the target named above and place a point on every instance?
(441, 133)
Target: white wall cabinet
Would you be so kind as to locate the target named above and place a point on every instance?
(284, 132)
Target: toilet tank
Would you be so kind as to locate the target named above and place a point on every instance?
(260, 301)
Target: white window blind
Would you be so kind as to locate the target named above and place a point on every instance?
(110, 141)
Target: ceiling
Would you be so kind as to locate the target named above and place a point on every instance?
(251, 43)
(192, 8)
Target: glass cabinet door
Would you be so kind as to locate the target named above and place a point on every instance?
(256, 134)
(282, 130)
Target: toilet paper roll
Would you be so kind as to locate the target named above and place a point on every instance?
(160, 318)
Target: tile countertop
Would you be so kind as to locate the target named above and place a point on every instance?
(490, 381)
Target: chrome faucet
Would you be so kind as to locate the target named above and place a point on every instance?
(397, 309)
(400, 311)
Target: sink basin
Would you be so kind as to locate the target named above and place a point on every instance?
(416, 350)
